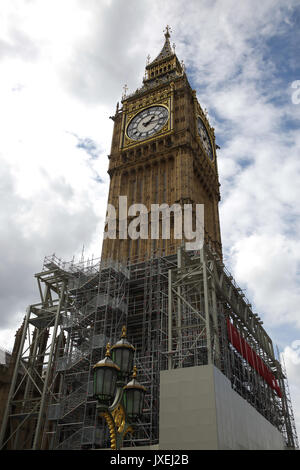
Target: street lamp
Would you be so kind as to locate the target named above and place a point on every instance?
(122, 354)
(105, 379)
(119, 403)
(133, 397)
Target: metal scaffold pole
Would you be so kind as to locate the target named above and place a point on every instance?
(45, 392)
(170, 299)
(13, 382)
(206, 304)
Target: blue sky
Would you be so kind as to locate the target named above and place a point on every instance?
(63, 66)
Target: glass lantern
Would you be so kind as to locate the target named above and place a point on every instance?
(134, 394)
(122, 354)
(105, 379)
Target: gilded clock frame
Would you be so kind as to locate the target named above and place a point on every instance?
(165, 130)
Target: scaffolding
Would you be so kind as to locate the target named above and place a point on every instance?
(176, 309)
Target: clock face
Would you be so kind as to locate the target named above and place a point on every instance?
(147, 122)
(205, 138)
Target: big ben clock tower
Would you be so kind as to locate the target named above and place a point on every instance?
(163, 152)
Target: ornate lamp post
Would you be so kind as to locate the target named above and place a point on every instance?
(119, 403)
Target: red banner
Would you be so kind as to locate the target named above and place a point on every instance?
(251, 357)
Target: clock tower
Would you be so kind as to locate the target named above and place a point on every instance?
(163, 152)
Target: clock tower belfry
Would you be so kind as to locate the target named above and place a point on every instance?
(163, 152)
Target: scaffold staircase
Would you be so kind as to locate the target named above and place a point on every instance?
(74, 400)
(73, 442)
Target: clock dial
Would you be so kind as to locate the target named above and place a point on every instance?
(147, 123)
(205, 138)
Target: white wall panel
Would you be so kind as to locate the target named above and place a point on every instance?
(240, 426)
(199, 410)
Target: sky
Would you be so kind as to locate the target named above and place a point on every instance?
(63, 66)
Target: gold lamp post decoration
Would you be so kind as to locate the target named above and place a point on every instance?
(119, 403)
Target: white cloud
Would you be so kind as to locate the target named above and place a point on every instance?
(268, 265)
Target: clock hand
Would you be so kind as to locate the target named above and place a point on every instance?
(148, 122)
(155, 121)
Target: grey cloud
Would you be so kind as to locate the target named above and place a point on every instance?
(19, 46)
(104, 61)
(58, 185)
(23, 246)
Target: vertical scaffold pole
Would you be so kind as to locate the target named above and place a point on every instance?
(170, 298)
(179, 311)
(45, 387)
(206, 305)
(14, 379)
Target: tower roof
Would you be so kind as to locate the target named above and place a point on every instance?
(163, 69)
(165, 63)
(166, 50)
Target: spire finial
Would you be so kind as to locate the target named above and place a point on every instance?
(123, 331)
(134, 372)
(182, 66)
(167, 31)
(125, 89)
